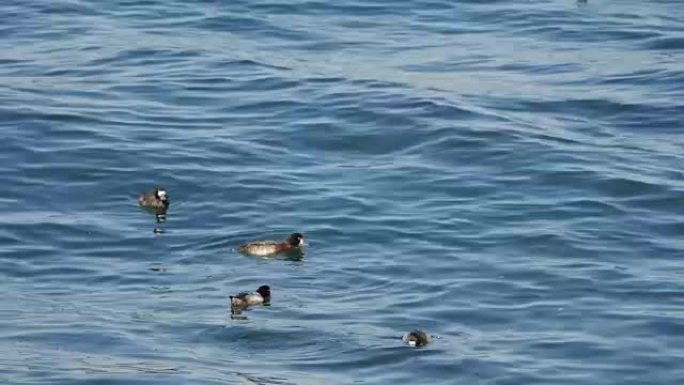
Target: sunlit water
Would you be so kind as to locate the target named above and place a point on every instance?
(506, 175)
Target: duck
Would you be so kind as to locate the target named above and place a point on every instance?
(266, 248)
(417, 338)
(156, 199)
(246, 299)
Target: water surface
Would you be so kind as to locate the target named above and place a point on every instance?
(506, 175)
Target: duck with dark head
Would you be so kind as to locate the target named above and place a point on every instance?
(269, 248)
(245, 299)
(417, 338)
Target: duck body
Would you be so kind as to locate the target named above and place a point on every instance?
(417, 338)
(265, 248)
(156, 199)
(269, 248)
(246, 299)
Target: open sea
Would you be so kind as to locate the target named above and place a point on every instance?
(506, 175)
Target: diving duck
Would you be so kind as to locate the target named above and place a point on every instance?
(417, 338)
(267, 248)
(155, 199)
(246, 299)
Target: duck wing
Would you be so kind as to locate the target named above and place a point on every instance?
(242, 295)
(260, 244)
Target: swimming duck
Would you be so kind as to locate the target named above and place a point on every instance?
(417, 338)
(247, 299)
(266, 248)
(155, 199)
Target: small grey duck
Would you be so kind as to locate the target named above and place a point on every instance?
(417, 338)
(246, 299)
(268, 248)
(156, 199)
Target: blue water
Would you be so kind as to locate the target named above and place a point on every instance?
(506, 175)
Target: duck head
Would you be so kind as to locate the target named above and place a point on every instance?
(295, 240)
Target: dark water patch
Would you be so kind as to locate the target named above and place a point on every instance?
(625, 187)
(244, 63)
(584, 32)
(358, 9)
(640, 77)
(324, 80)
(542, 69)
(134, 57)
(666, 43)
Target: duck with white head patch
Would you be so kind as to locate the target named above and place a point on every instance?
(156, 200)
(417, 338)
